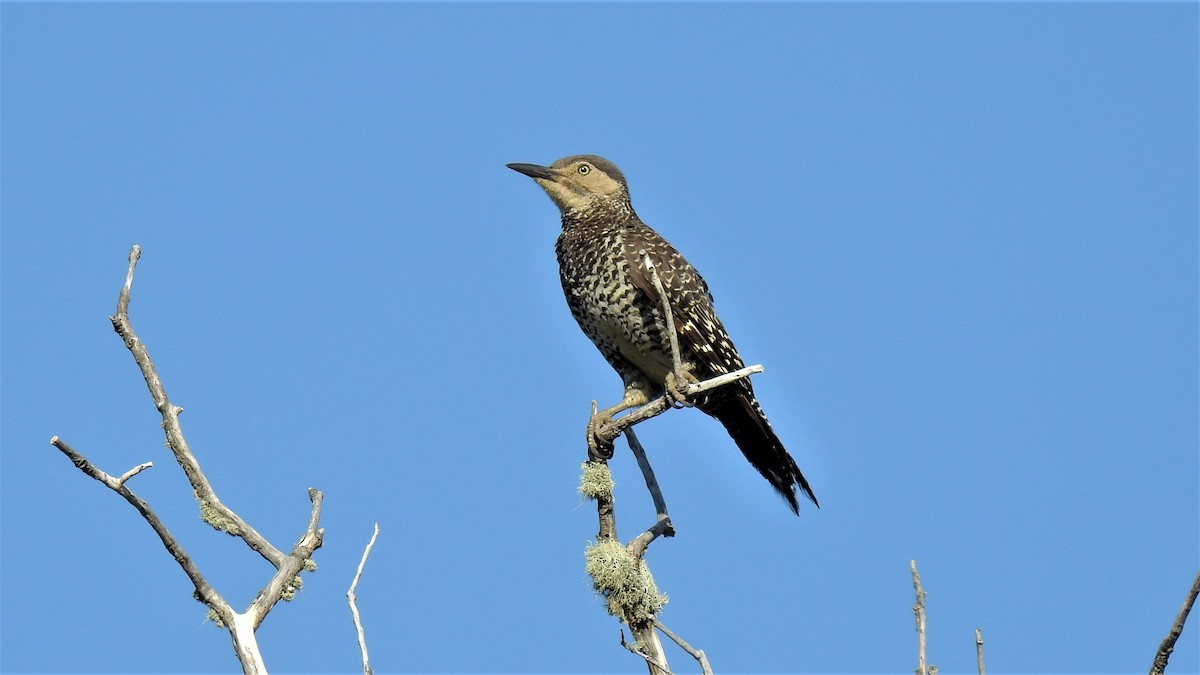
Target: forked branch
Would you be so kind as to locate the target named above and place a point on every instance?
(285, 580)
(212, 511)
(632, 595)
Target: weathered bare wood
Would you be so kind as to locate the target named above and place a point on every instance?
(283, 583)
(1168, 644)
(352, 598)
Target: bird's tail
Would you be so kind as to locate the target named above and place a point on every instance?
(748, 426)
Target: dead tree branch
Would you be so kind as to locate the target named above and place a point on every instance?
(204, 591)
(212, 511)
(697, 654)
(619, 573)
(919, 612)
(1168, 643)
(352, 598)
(286, 579)
(979, 651)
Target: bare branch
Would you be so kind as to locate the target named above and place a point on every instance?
(662, 527)
(286, 580)
(919, 611)
(697, 654)
(133, 472)
(211, 509)
(204, 592)
(283, 583)
(639, 453)
(668, 318)
(657, 666)
(135, 254)
(979, 651)
(245, 644)
(1168, 643)
(615, 427)
(723, 379)
(352, 597)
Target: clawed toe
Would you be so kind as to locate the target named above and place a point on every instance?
(676, 389)
(599, 447)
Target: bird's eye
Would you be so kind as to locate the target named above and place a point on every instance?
(584, 169)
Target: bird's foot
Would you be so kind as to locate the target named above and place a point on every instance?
(600, 446)
(677, 388)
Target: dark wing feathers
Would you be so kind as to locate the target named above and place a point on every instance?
(703, 342)
(702, 337)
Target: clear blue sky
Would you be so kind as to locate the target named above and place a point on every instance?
(962, 238)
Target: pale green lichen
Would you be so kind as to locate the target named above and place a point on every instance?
(289, 590)
(596, 481)
(310, 565)
(624, 581)
(216, 519)
(214, 617)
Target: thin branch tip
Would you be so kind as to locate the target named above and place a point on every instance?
(352, 598)
(133, 472)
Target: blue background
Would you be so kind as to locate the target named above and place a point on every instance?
(962, 238)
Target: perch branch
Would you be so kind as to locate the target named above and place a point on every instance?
(352, 597)
(697, 654)
(608, 431)
(680, 386)
(1168, 643)
(211, 509)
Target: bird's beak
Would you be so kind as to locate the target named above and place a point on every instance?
(534, 171)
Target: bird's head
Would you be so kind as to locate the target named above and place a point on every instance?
(580, 183)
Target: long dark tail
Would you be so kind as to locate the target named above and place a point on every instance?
(748, 426)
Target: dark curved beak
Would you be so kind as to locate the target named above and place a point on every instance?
(533, 170)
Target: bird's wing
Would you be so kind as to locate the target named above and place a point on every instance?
(702, 337)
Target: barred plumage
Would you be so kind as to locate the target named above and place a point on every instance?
(602, 253)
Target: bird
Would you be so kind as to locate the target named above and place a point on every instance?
(607, 259)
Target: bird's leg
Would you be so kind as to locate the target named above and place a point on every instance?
(600, 446)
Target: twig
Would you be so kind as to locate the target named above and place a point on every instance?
(1168, 643)
(697, 654)
(211, 509)
(352, 597)
(285, 581)
(639, 453)
(919, 611)
(979, 651)
(662, 526)
(668, 318)
(204, 592)
(657, 666)
(133, 472)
